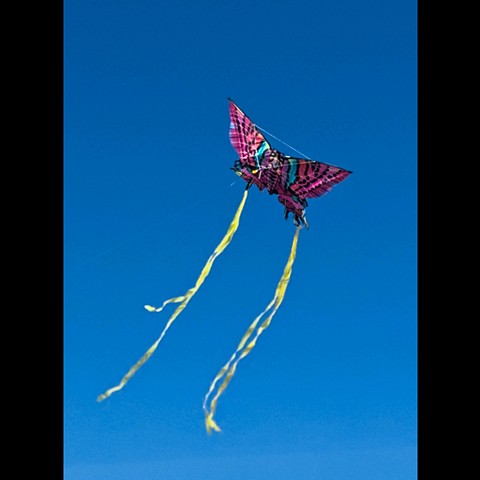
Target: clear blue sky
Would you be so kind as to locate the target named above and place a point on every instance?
(330, 391)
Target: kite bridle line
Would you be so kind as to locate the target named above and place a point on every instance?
(281, 141)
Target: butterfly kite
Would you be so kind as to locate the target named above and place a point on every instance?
(293, 180)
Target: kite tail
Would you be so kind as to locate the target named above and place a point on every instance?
(242, 351)
(183, 299)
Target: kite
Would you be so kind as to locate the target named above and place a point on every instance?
(293, 180)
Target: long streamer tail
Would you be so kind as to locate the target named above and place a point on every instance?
(184, 299)
(228, 370)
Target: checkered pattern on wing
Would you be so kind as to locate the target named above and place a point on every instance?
(245, 138)
(306, 178)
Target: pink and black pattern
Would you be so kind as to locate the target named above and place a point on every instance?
(250, 145)
(292, 179)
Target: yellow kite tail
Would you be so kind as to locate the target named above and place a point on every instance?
(183, 299)
(242, 351)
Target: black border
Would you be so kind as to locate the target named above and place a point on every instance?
(33, 321)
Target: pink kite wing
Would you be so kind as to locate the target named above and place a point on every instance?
(304, 178)
(245, 138)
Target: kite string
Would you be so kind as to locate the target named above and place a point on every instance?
(184, 299)
(229, 368)
(281, 141)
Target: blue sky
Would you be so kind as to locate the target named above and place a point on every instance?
(330, 390)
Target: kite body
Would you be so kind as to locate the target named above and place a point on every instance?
(292, 179)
